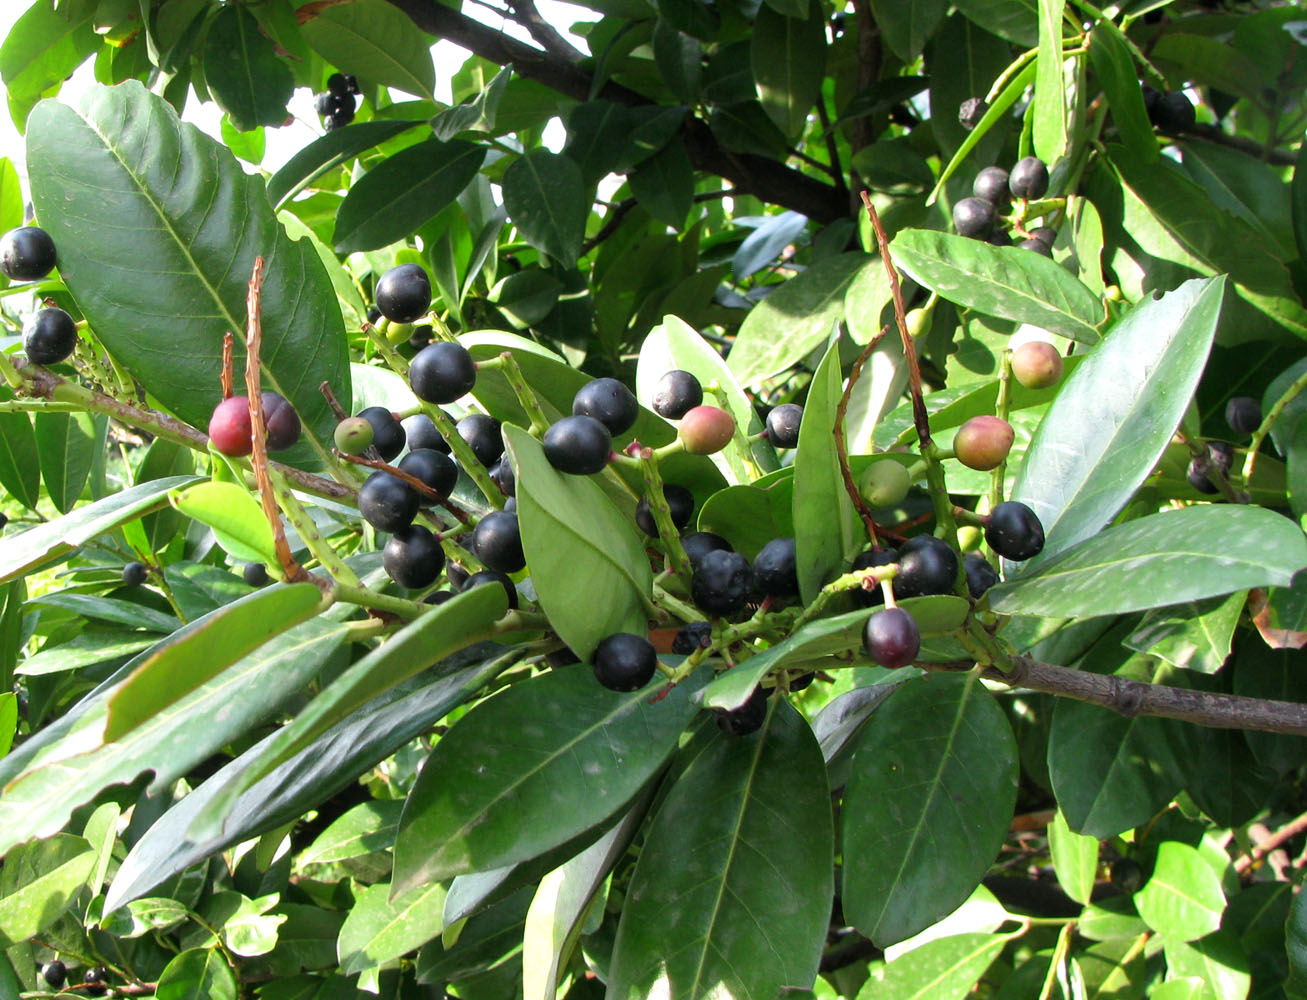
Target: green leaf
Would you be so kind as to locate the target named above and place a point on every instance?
(248, 929)
(1247, 188)
(1295, 944)
(570, 531)
(1212, 60)
(1015, 88)
(22, 553)
(578, 753)
(828, 532)
(403, 192)
(680, 61)
(1075, 859)
(1216, 964)
(109, 609)
(197, 974)
(64, 442)
(145, 915)
(8, 720)
(42, 49)
(20, 469)
(1002, 281)
(369, 826)
(927, 805)
(1298, 193)
(1183, 899)
(163, 458)
(664, 184)
(1169, 560)
(332, 150)
(789, 62)
(1015, 20)
(1109, 54)
(1114, 415)
(243, 72)
(476, 114)
(237, 519)
(547, 200)
(484, 943)
(163, 284)
(376, 42)
(35, 905)
(964, 61)
(907, 26)
(947, 968)
(1196, 635)
(380, 929)
(1049, 110)
(726, 852)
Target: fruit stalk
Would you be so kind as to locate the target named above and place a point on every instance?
(466, 457)
(526, 396)
(1002, 405)
(299, 518)
(365, 598)
(662, 514)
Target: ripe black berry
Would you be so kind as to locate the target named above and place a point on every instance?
(338, 84)
(135, 574)
(433, 468)
(867, 560)
(55, 974)
(722, 582)
(578, 445)
(1220, 455)
(688, 638)
(497, 542)
(329, 105)
(1038, 246)
(1029, 178)
(27, 254)
(980, 574)
(255, 574)
(609, 402)
(746, 719)
(698, 544)
(49, 336)
(973, 217)
(387, 433)
(420, 432)
(483, 436)
(783, 425)
(679, 499)
(403, 293)
(413, 558)
(971, 111)
(1014, 531)
(95, 980)
(339, 120)
(280, 420)
(1174, 113)
(487, 576)
(387, 502)
(1126, 874)
(1046, 233)
(926, 566)
(676, 394)
(420, 337)
(999, 238)
(1243, 414)
(501, 473)
(891, 637)
(625, 662)
(438, 597)
(991, 185)
(441, 372)
(775, 571)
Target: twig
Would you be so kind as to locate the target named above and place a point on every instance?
(832, 149)
(1245, 862)
(423, 489)
(841, 446)
(337, 410)
(1279, 157)
(228, 377)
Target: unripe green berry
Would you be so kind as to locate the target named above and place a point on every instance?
(918, 323)
(353, 435)
(885, 483)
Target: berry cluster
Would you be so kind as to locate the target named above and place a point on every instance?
(336, 104)
(977, 217)
(49, 334)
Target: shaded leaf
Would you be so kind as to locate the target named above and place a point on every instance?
(547, 200)
(197, 974)
(375, 42)
(789, 61)
(64, 442)
(243, 72)
(337, 147)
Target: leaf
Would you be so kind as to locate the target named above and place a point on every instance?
(379, 929)
(1169, 561)
(332, 150)
(163, 458)
(789, 61)
(927, 806)
(578, 753)
(64, 444)
(964, 61)
(765, 243)
(8, 720)
(1216, 964)
(907, 26)
(570, 531)
(1183, 899)
(243, 72)
(1075, 859)
(1002, 281)
(375, 42)
(1295, 945)
(109, 609)
(944, 969)
(664, 184)
(197, 974)
(20, 469)
(1109, 54)
(1050, 119)
(163, 284)
(248, 929)
(146, 915)
(34, 906)
(403, 192)
(22, 553)
(237, 519)
(1196, 635)
(547, 200)
(699, 880)
(1015, 20)
(1247, 188)
(1114, 415)
(828, 532)
(42, 49)
(369, 826)
(1298, 194)
(483, 944)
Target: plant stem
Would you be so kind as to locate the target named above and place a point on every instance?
(1002, 406)
(662, 514)
(1268, 422)
(365, 598)
(526, 396)
(336, 568)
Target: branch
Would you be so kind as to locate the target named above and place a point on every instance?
(768, 179)
(1268, 844)
(525, 14)
(1279, 157)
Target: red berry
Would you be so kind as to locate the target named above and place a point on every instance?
(230, 428)
(706, 430)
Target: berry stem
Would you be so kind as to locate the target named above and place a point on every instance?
(664, 601)
(963, 516)
(299, 518)
(849, 581)
(227, 376)
(1268, 422)
(740, 437)
(466, 457)
(662, 514)
(526, 396)
(1002, 406)
(377, 334)
(841, 445)
(360, 595)
(417, 484)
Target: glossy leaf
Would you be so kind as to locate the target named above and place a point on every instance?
(907, 26)
(764, 244)
(1049, 111)
(42, 49)
(964, 60)
(1183, 899)
(578, 754)
(1216, 965)
(145, 915)
(197, 974)
(1015, 20)
(1110, 56)
(1008, 282)
(337, 147)
(1247, 188)
(368, 827)
(947, 968)
(1075, 859)
(927, 805)
(696, 882)
(380, 929)
(374, 41)
(163, 458)
(27, 910)
(664, 184)
(8, 720)
(20, 469)
(164, 284)
(64, 444)
(1197, 635)
(546, 198)
(108, 609)
(236, 517)
(1114, 416)
(789, 61)
(243, 72)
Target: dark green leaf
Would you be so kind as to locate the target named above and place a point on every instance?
(789, 61)
(680, 61)
(1211, 60)
(596, 133)
(368, 827)
(547, 200)
(743, 516)
(664, 184)
(1109, 53)
(1015, 20)
(42, 49)
(20, 469)
(964, 60)
(907, 26)
(1014, 88)
(1295, 944)
(1247, 188)
(244, 74)
(64, 443)
(483, 943)
(337, 147)
(477, 114)
(1223, 777)
(197, 974)
(108, 609)
(27, 909)
(1298, 192)
(374, 41)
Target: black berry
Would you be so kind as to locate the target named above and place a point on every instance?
(255, 574)
(95, 980)
(698, 544)
(1126, 874)
(722, 582)
(999, 238)
(679, 500)
(483, 436)
(688, 638)
(980, 574)
(387, 502)
(338, 84)
(973, 217)
(1243, 414)
(676, 394)
(433, 468)
(280, 420)
(971, 111)
(501, 473)
(135, 574)
(1220, 455)
(775, 571)
(497, 542)
(867, 560)
(487, 576)
(49, 336)
(609, 402)
(1046, 233)
(329, 105)
(27, 254)
(55, 974)
(420, 337)
(403, 293)
(1014, 531)
(339, 120)
(1038, 246)
(441, 372)
(1174, 113)
(991, 185)
(1029, 178)
(412, 557)
(420, 432)
(438, 597)
(926, 566)
(387, 433)
(578, 445)
(891, 637)
(783, 425)
(625, 662)
(746, 719)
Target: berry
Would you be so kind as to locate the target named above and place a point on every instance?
(403, 293)
(999, 238)
(438, 597)
(482, 434)
(885, 483)
(135, 574)
(1014, 532)
(983, 442)
(1029, 178)
(497, 542)
(1036, 364)
(991, 185)
(802, 681)
(746, 719)
(1126, 874)
(49, 336)
(280, 420)
(27, 254)
(1243, 414)
(625, 662)
(775, 571)
(980, 574)
(973, 217)
(55, 974)
(698, 544)
(1151, 97)
(420, 432)
(387, 434)
(338, 84)
(420, 337)
(510, 505)
(722, 582)
(891, 637)
(1045, 233)
(579, 446)
(329, 105)
(502, 475)
(353, 436)
(434, 468)
(688, 638)
(412, 557)
(706, 430)
(679, 499)
(867, 560)
(971, 111)
(456, 575)
(783, 425)
(339, 120)
(486, 576)
(1220, 455)
(387, 502)
(441, 372)
(230, 428)
(676, 394)
(926, 566)
(1174, 113)
(95, 980)
(1038, 246)
(255, 574)
(609, 402)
